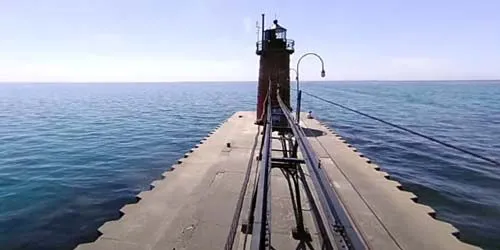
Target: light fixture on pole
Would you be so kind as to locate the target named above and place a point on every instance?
(299, 92)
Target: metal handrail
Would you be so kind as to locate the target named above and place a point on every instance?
(262, 45)
(261, 227)
(290, 44)
(337, 217)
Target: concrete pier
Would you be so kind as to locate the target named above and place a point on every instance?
(387, 217)
(203, 201)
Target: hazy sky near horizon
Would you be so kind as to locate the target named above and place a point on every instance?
(196, 40)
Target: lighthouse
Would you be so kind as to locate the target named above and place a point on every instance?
(274, 50)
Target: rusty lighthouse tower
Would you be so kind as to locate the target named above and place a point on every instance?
(274, 50)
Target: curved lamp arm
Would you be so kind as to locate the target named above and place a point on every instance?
(323, 73)
(297, 80)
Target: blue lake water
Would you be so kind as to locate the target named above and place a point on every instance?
(71, 155)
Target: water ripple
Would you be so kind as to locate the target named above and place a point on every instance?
(71, 155)
(463, 190)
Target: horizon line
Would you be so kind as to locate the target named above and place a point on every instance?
(245, 81)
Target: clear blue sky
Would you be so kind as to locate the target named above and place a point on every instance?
(192, 40)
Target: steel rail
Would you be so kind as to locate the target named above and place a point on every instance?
(336, 217)
(261, 227)
(239, 204)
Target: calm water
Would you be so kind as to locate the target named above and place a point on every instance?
(71, 155)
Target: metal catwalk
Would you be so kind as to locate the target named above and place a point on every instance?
(294, 159)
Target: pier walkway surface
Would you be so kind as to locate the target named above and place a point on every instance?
(203, 200)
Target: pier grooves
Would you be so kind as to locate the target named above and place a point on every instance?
(411, 196)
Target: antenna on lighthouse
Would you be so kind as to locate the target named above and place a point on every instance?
(262, 29)
(258, 30)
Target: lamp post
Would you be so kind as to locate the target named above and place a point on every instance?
(299, 92)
